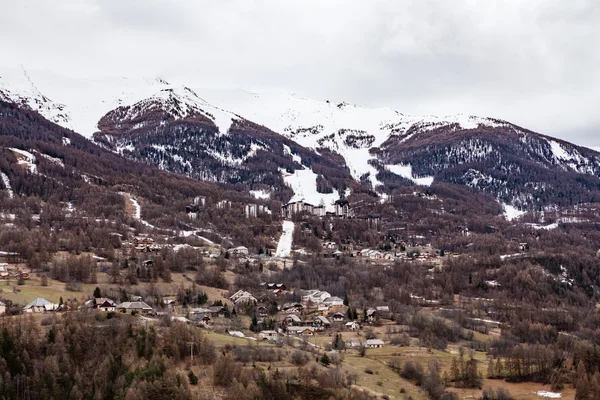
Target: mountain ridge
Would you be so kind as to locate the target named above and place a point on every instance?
(264, 138)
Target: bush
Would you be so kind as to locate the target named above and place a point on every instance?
(368, 371)
(498, 394)
(193, 378)
(413, 371)
(300, 358)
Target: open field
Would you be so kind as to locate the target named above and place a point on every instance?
(32, 289)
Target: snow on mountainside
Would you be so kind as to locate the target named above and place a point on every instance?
(349, 130)
(172, 126)
(74, 103)
(17, 87)
(169, 104)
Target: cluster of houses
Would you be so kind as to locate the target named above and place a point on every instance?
(419, 254)
(7, 273)
(41, 305)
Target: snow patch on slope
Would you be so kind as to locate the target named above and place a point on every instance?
(284, 246)
(405, 171)
(304, 184)
(6, 182)
(16, 86)
(511, 213)
(260, 194)
(54, 160)
(25, 159)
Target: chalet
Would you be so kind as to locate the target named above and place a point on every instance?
(135, 306)
(272, 286)
(321, 321)
(315, 296)
(40, 305)
(301, 330)
(103, 304)
(239, 251)
(262, 312)
(292, 307)
(216, 311)
(268, 335)
(338, 317)
(169, 302)
(292, 319)
(242, 297)
(352, 326)
(307, 331)
(371, 315)
(203, 318)
(199, 310)
(334, 302)
(374, 343)
(2, 308)
(323, 308)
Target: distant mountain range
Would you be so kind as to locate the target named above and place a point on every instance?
(287, 147)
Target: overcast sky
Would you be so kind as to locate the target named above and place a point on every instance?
(535, 63)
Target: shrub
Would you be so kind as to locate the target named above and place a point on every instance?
(193, 378)
(300, 358)
(413, 371)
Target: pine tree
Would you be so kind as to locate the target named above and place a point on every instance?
(582, 384)
(454, 371)
(97, 293)
(499, 369)
(491, 370)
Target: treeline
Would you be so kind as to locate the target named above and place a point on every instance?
(90, 355)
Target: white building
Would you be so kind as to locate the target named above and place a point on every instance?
(315, 296)
(374, 343)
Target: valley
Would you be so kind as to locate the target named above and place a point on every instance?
(318, 250)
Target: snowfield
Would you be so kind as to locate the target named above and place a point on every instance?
(260, 194)
(284, 246)
(26, 159)
(511, 213)
(304, 184)
(405, 171)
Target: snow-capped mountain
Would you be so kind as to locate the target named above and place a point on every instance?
(17, 87)
(291, 145)
(169, 104)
